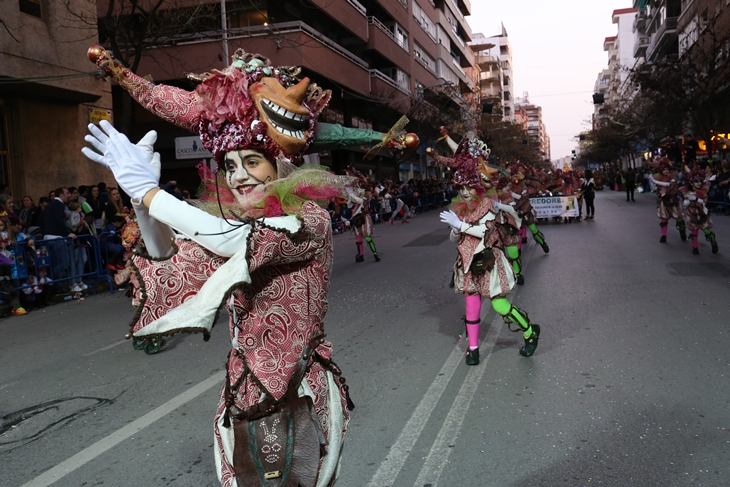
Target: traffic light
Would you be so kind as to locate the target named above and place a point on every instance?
(575, 156)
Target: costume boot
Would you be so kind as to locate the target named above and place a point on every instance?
(682, 229)
(512, 315)
(371, 244)
(359, 257)
(663, 225)
(472, 329)
(153, 345)
(513, 255)
(539, 238)
(710, 236)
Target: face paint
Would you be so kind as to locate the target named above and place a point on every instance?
(467, 194)
(282, 110)
(247, 172)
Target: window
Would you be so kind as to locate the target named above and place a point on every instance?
(402, 36)
(424, 21)
(423, 57)
(30, 7)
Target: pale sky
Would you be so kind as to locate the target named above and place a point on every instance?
(557, 47)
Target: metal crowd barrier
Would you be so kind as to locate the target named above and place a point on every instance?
(83, 259)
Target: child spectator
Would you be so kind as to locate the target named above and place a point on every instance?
(110, 242)
(7, 262)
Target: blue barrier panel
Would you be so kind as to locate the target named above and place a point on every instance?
(62, 260)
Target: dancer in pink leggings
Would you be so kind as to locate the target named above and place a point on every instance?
(669, 204)
(482, 269)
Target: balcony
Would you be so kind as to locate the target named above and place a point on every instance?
(465, 60)
(640, 21)
(384, 41)
(464, 6)
(640, 45)
(664, 35)
(314, 51)
(350, 14)
(484, 61)
(382, 85)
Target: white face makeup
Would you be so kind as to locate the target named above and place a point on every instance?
(247, 172)
(467, 193)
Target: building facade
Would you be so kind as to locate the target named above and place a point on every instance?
(48, 95)
(611, 81)
(493, 56)
(655, 29)
(536, 131)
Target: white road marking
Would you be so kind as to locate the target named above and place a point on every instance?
(440, 451)
(66, 467)
(392, 465)
(106, 348)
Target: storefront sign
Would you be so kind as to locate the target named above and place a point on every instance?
(96, 115)
(550, 206)
(190, 148)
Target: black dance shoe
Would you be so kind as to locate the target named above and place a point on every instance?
(531, 343)
(472, 357)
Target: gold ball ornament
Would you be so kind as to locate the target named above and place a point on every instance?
(411, 141)
(429, 151)
(95, 53)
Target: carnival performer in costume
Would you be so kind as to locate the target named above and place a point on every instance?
(510, 225)
(482, 268)
(698, 218)
(263, 248)
(524, 186)
(534, 189)
(362, 222)
(669, 205)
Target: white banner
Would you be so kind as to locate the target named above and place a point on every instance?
(550, 206)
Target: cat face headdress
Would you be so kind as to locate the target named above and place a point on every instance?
(249, 105)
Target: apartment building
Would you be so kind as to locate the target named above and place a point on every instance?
(701, 20)
(655, 29)
(611, 81)
(48, 95)
(536, 130)
(380, 58)
(493, 56)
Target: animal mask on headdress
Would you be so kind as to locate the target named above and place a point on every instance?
(250, 105)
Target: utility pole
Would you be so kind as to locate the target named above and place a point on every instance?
(224, 27)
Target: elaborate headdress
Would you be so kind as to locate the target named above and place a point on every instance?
(661, 164)
(697, 176)
(470, 164)
(250, 104)
(254, 105)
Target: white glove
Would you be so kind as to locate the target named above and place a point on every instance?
(692, 197)
(135, 168)
(450, 218)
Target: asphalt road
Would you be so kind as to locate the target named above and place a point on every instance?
(628, 386)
